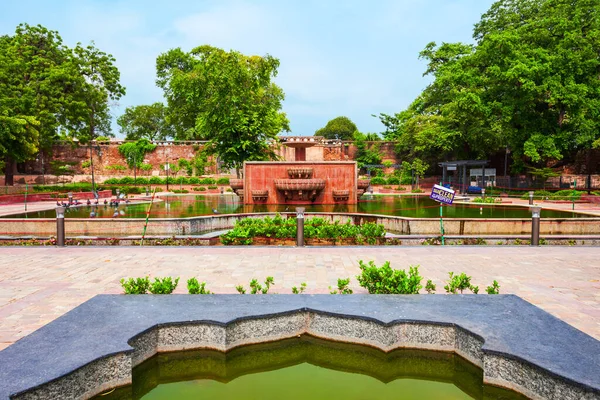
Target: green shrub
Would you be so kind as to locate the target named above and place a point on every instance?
(223, 181)
(195, 287)
(145, 167)
(538, 195)
(199, 189)
(212, 187)
(385, 280)
(400, 188)
(207, 181)
(155, 180)
(342, 287)
(86, 164)
(163, 285)
(135, 286)
(393, 180)
(571, 195)
(417, 190)
(112, 181)
(256, 287)
(180, 180)
(116, 167)
(180, 191)
(67, 187)
(494, 289)
(430, 286)
(378, 180)
(300, 290)
(194, 180)
(126, 180)
(142, 181)
(460, 282)
(127, 190)
(487, 200)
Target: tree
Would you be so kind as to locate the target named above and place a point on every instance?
(530, 83)
(36, 75)
(146, 122)
(340, 128)
(134, 152)
(226, 98)
(366, 154)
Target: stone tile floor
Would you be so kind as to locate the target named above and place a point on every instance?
(38, 285)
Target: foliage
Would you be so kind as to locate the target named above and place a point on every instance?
(494, 289)
(164, 285)
(256, 287)
(180, 191)
(199, 189)
(226, 98)
(60, 168)
(367, 153)
(146, 122)
(134, 152)
(207, 181)
(567, 194)
(278, 227)
(135, 286)
(195, 287)
(212, 187)
(378, 180)
(385, 280)
(342, 287)
(430, 287)
(300, 290)
(223, 181)
(529, 83)
(487, 200)
(85, 164)
(145, 167)
(340, 128)
(155, 180)
(460, 282)
(392, 180)
(116, 167)
(126, 180)
(417, 190)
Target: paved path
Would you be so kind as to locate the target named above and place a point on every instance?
(38, 285)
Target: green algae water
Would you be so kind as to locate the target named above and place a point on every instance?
(308, 368)
(198, 205)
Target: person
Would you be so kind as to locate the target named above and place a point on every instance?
(88, 202)
(105, 202)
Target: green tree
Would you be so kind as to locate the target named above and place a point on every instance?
(134, 152)
(367, 154)
(36, 86)
(226, 98)
(530, 83)
(341, 128)
(146, 121)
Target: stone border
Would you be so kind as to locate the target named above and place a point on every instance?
(501, 368)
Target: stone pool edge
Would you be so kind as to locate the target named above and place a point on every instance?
(500, 368)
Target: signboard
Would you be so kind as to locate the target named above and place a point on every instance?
(442, 194)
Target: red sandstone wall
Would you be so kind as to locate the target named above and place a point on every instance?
(337, 176)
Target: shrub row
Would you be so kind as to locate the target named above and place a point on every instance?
(248, 228)
(560, 195)
(175, 180)
(377, 280)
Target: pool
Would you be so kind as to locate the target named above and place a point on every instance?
(403, 206)
(308, 368)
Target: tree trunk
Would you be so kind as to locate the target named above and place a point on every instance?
(9, 171)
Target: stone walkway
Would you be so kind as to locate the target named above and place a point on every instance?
(38, 285)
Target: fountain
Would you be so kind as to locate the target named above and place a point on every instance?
(300, 181)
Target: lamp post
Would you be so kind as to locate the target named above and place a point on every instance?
(60, 226)
(167, 168)
(535, 225)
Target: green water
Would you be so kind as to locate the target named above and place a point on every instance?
(406, 206)
(308, 368)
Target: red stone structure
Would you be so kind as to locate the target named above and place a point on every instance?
(298, 182)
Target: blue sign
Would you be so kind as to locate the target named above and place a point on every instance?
(442, 194)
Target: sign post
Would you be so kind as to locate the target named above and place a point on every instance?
(442, 195)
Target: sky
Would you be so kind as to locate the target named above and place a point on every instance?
(350, 58)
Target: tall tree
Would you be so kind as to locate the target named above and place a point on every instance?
(229, 98)
(146, 121)
(341, 128)
(530, 83)
(36, 78)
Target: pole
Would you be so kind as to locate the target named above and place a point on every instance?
(26, 190)
(60, 226)
(300, 226)
(574, 191)
(168, 168)
(147, 216)
(535, 225)
(531, 198)
(442, 222)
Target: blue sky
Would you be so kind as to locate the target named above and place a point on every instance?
(352, 58)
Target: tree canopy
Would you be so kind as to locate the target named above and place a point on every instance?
(146, 121)
(226, 98)
(48, 91)
(341, 128)
(530, 83)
